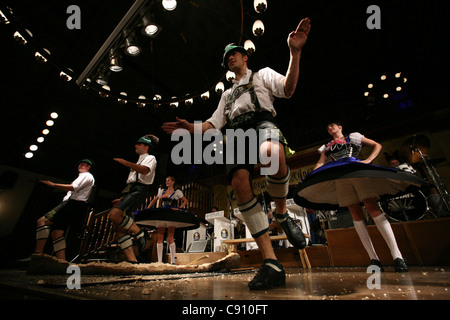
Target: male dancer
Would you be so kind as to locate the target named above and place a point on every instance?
(249, 105)
(140, 178)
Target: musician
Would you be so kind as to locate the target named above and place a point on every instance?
(72, 207)
(139, 179)
(168, 198)
(249, 105)
(340, 179)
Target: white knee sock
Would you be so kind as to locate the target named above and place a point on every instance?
(385, 229)
(159, 249)
(173, 250)
(361, 230)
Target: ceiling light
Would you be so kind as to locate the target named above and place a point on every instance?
(398, 75)
(19, 38)
(370, 86)
(385, 96)
(220, 87)
(189, 102)
(65, 76)
(383, 77)
(151, 29)
(3, 18)
(54, 115)
(174, 104)
(29, 155)
(230, 76)
(49, 123)
(104, 94)
(131, 47)
(122, 101)
(249, 46)
(399, 89)
(39, 57)
(141, 104)
(169, 5)
(45, 131)
(258, 28)
(40, 139)
(260, 5)
(205, 96)
(33, 147)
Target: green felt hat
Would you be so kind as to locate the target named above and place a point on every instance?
(229, 49)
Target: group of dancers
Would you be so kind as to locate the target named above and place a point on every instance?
(340, 179)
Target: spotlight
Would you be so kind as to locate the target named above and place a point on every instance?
(65, 76)
(103, 78)
(3, 18)
(169, 5)
(20, 39)
(131, 47)
(115, 62)
(151, 29)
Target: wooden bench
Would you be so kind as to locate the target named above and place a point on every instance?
(233, 248)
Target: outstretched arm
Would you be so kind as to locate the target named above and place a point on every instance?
(170, 127)
(296, 42)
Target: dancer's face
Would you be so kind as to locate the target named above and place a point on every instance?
(334, 129)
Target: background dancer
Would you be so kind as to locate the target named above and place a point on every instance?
(340, 179)
(249, 104)
(140, 178)
(72, 207)
(168, 197)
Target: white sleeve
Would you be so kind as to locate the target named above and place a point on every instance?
(274, 81)
(218, 118)
(84, 180)
(355, 138)
(149, 162)
(321, 149)
(178, 194)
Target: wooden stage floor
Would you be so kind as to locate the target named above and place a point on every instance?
(338, 283)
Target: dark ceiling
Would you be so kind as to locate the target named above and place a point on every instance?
(341, 58)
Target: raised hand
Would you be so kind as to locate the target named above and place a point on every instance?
(297, 38)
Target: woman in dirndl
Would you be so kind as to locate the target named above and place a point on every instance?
(340, 179)
(169, 197)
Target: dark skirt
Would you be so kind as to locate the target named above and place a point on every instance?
(318, 189)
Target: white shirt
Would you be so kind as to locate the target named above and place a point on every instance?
(82, 187)
(148, 161)
(267, 83)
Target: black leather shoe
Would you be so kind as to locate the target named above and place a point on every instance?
(267, 277)
(377, 263)
(400, 265)
(294, 233)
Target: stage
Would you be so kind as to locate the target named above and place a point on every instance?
(420, 283)
(338, 272)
